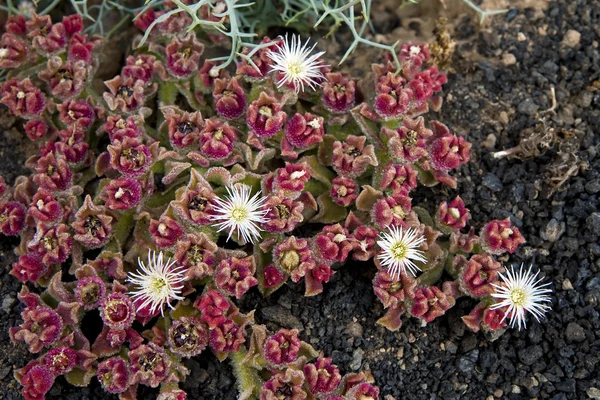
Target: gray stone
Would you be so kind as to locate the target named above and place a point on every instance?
(529, 355)
(281, 316)
(528, 107)
(593, 223)
(593, 187)
(574, 332)
(492, 182)
(553, 230)
(7, 302)
(357, 358)
(466, 364)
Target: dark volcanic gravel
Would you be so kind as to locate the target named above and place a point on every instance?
(501, 88)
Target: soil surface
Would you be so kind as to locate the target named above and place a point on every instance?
(501, 91)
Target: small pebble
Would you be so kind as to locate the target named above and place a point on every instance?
(567, 285)
(593, 393)
(575, 332)
(509, 59)
(490, 141)
(572, 38)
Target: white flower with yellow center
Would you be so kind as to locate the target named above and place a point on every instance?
(158, 283)
(240, 213)
(399, 250)
(521, 292)
(296, 65)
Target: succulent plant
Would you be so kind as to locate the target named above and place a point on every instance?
(180, 188)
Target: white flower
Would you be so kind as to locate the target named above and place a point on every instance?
(238, 212)
(158, 282)
(522, 293)
(399, 250)
(296, 65)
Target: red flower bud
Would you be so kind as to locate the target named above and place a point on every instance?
(454, 215)
(37, 382)
(478, 275)
(92, 225)
(499, 236)
(140, 67)
(364, 245)
(208, 73)
(125, 94)
(391, 211)
(90, 292)
(294, 257)
(66, 78)
(12, 218)
(117, 311)
(188, 336)
(430, 302)
(23, 98)
(226, 337)
(229, 98)
(77, 113)
(333, 244)
(303, 130)
(272, 276)
(29, 268)
(236, 275)
(447, 151)
(265, 116)
(80, 49)
(283, 213)
(165, 232)
(184, 128)
(282, 347)
(60, 360)
(217, 139)
(197, 254)
(322, 376)
(130, 158)
(113, 374)
(393, 97)
(352, 158)
(213, 306)
(322, 273)
(118, 128)
(288, 384)
(13, 51)
(122, 194)
(36, 129)
(363, 391)
(344, 191)
(339, 93)
(45, 208)
(42, 326)
(183, 55)
(291, 179)
(53, 173)
(400, 178)
(407, 143)
(52, 244)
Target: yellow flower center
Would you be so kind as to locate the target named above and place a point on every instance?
(239, 214)
(158, 284)
(518, 296)
(290, 260)
(295, 69)
(398, 250)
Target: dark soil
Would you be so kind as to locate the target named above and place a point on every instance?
(491, 101)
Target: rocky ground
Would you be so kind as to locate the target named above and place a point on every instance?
(501, 92)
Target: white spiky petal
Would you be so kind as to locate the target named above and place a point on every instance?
(295, 63)
(158, 283)
(240, 212)
(521, 292)
(399, 250)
